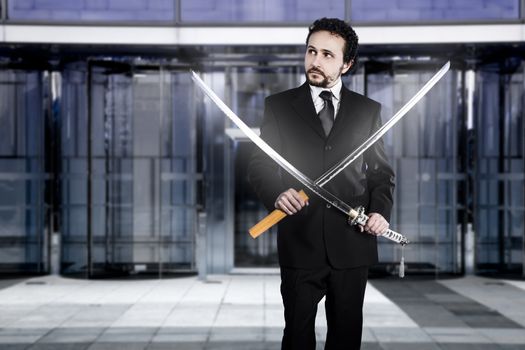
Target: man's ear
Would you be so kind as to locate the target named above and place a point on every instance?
(347, 66)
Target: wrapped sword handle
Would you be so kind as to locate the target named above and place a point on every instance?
(358, 217)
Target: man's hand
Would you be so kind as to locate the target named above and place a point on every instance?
(290, 202)
(376, 224)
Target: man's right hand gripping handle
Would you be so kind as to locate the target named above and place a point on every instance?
(289, 203)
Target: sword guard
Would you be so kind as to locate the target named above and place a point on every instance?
(360, 218)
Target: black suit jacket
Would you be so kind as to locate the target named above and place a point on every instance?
(320, 234)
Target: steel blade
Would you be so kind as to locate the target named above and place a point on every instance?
(305, 180)
(336, 169)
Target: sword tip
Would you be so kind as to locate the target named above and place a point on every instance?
(195, 77)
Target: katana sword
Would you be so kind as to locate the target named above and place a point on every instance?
(355, 216)
(277, 215)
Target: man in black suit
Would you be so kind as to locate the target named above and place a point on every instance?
(314, 126)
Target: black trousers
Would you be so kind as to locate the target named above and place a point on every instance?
(302, 289)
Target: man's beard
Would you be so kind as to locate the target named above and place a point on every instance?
(322, 84)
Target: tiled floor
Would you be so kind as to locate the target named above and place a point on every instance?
(245, 312)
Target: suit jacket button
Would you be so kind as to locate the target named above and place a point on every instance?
(328, 206)
(327, 148)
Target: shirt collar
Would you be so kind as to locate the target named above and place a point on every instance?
(336, 90)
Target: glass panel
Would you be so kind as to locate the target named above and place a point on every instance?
(178, 172)
(422, 149)
(245, 11)
(22, 172)
(487, 218)
(500, 168)
(433, 10)
(142, 171)
(73, 210)
(92, 10)
(250, 87)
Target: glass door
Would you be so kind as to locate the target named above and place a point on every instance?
(249, 87)
(129, 170)
(499, 168)
(423, 149)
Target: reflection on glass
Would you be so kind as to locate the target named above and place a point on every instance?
(95, 11)
(22, 174)
(250, 87)
(130, 208)
(423, 150)
(245, 11)
(499, 170)
(433, 10)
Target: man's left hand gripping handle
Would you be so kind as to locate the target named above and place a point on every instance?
(271, 219)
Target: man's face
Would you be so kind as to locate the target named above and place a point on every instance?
(323, 61)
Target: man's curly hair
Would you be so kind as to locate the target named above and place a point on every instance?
(341, 28)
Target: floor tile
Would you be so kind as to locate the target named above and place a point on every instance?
(245, 312)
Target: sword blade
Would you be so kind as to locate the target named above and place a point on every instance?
(305, 180)
(336, 169)
(310, 184)
(272, 218)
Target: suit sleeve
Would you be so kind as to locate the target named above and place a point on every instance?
(379, 175)
(264, 174)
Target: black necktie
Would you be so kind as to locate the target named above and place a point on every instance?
(327, 113)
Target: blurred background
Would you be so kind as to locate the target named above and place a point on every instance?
(112, 163)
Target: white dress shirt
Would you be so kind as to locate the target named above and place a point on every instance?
(336, 96)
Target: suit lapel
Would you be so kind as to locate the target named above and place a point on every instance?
(304, 106)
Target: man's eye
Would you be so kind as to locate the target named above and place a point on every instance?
(328, 55)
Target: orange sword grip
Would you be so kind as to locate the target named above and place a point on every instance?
(271, 219)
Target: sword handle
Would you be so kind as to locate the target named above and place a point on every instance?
(271, 219)
(358, 217)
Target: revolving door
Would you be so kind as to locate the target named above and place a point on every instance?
(128, 170)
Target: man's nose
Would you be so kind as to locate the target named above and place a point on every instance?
(317, 61)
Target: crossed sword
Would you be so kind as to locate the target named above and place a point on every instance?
(356, 216)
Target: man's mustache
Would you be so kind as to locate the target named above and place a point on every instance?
(314, 70)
